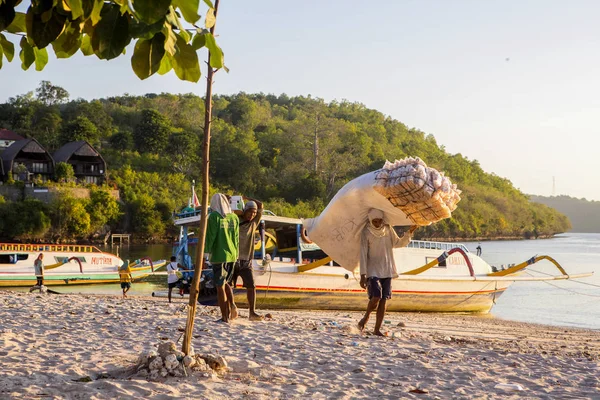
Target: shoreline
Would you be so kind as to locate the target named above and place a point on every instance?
(82, 346)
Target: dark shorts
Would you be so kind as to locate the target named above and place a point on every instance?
(125, 285)
(222, 273)
(173, 284)
(380, 288)
(243, 268)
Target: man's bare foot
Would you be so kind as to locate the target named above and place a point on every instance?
(361, 324)
(234, 313)
(378, 333)
(255, 317)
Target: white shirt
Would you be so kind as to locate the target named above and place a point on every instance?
(377, 253)
(171, 275)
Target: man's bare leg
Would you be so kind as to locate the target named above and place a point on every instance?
(252, 315)
(230, 303)
(170, 290)
(379, 318)
(370, 307)
(223, 304)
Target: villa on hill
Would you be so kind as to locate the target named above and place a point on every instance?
(89, 166)
(26, 158)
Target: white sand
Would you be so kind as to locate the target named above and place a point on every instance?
(50, 341)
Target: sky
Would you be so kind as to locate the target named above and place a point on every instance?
(512, 84)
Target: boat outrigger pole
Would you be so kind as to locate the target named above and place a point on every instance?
(525, 264)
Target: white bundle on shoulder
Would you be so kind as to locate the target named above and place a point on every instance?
(407, 191)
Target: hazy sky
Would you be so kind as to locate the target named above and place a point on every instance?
(513, 84)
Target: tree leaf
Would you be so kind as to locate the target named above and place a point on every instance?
(199, 41)
(111, 35)
(86, 46)
(209, 3)
(41, 58)
(189, 9)
(8, 48)
(96, 15)
(173, 19)
(185, 62)
(26, 54)
(7, 14)
(18, 25)
(165, 64)
(171, 39)
(210, 19)
(68, 42)
(43, 33)
(151, 11)
(142, 30)
(76, 8)
(87, 6)
(147, 56)
(0, 56)
(216, 54)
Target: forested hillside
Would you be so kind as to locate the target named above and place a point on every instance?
(584, 214)
(292, 152)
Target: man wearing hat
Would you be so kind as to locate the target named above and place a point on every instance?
(249, 221)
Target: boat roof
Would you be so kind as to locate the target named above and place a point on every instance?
(271, 221)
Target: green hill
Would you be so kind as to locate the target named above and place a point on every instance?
(583, 214)
(292, 152)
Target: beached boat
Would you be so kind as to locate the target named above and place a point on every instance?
(64, 265)
(434, 276)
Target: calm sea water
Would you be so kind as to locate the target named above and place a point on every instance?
(563, 303)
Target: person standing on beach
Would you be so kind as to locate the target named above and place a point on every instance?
(38, 266)
(125, 278)
(377, 265)
(172, 276)
(222, 241)
(251, 217)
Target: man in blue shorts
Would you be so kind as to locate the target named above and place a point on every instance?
(377, 265)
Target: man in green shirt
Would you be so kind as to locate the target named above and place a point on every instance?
(243, 267)
(222, 241)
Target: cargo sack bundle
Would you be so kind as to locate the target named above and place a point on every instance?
(408, 193)
(422, 193)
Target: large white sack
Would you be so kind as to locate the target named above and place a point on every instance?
(337, 230)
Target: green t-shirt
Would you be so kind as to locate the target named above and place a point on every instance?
(222, 237)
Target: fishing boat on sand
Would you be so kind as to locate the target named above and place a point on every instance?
(433, 276)
(65, 265)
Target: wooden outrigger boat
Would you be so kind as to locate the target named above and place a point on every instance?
(434, 276)
(65, 265)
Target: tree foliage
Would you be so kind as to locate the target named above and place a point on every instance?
(106, 28)
(80, 128)
(64, 172)
(264, 146)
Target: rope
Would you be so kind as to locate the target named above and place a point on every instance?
(568, 290)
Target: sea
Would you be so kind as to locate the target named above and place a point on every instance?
(572, 303)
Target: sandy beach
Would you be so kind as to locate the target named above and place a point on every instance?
(87, 347)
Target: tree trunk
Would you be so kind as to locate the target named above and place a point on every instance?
(316, 146)
(189, 327)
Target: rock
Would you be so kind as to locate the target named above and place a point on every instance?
(154, 375)
(401, 324)
(358, 370)
(268, 316)
(164, 372)
(166, 348)
(155, 364)
(171, 362)
(216, 363)
(447, 338)
(179, 355)
(419, 391)
(188, 361)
